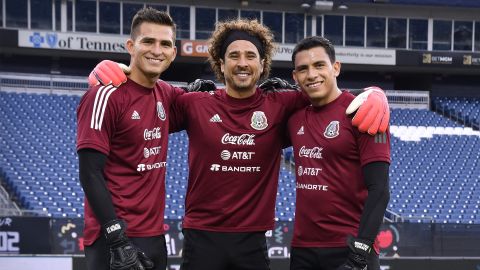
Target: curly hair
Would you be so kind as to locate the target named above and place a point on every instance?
(252, 27)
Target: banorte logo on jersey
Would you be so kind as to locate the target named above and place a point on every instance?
(152, 134)
(244, 139)
(315, 152)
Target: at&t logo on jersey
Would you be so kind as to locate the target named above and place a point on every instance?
(332, 130)
(226, 155)
(304, 171)
(315, 152)
(259, 120)
(244, 139)
(148, 152)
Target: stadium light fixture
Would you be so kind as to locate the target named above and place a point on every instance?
(323, 5)
(305, 6)
(317, 6)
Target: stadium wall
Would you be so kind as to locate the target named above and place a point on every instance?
(62, 236)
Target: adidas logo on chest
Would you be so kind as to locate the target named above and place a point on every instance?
(215, 119)
(135, 115)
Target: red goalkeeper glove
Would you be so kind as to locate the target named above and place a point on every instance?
(108, 72)
(373, 113)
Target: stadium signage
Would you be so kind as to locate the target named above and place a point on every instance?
(17, 236)
(283, 52)
(72, 41)
(194, 48)
(346, 55)
(450, 59)
(471, 60)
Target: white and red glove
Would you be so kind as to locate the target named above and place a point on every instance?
(372, 111)
(108, 72)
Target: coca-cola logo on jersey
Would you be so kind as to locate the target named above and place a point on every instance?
(152, 134)
(244, 139)
(315, 152)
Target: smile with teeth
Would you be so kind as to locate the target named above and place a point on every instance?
(154, 60)
(242, 74)
(314, 84)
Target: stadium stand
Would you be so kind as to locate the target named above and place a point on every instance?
(463, 110)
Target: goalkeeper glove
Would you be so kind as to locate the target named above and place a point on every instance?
(372, 111)
(274, 84)
(108, 72)
(200, 85)
(123, 254)
(360, 249)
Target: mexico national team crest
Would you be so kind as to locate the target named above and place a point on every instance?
(161, 111)
(332, 130)
(259, 120)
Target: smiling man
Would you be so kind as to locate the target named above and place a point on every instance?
(125, 188)
(342, 174)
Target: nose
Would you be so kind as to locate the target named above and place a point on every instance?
(242, 61)
(311, 74)
(157, 48)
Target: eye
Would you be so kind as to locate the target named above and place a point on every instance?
(301, 69)
(233, 56)
(251, 56)
(166, 44)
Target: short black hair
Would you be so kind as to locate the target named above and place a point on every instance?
(151, 15)
(312, 42)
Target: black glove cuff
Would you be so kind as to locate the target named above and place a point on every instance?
(200, 85)
(114, 231)
(359, 246)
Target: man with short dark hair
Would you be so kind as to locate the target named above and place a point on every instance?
(342, 174)
(122, 148)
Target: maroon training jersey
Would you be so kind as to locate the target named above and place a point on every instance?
(234, 157)
(130, 125)
(329, 154)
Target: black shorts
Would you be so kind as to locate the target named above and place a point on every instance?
(97, 255)
(325, 259)
(206, 250)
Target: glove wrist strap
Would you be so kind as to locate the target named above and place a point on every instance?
(359, 246)
(114, 231)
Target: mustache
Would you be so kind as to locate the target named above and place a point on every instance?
(237, 70)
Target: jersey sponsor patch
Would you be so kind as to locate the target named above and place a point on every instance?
(259, 120)
(239, 155)
(332, 130)
(161, 111)
(305, 171)
(314, 152)
(135, 115)
(216, 119)
(228, 168)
